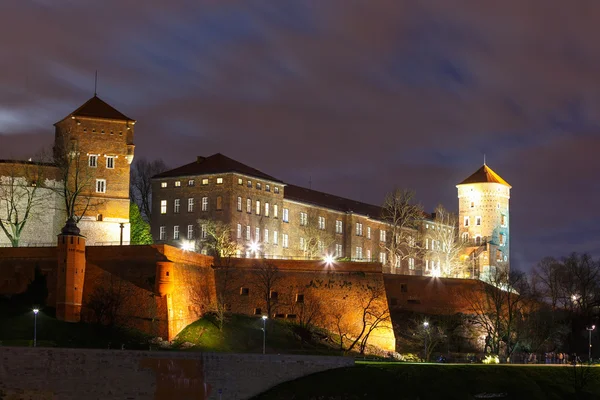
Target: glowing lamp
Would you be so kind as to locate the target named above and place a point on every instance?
(425, 324)
(329, 259)
(187, 246)
(254, 246)
(36, 310)
(264, 317)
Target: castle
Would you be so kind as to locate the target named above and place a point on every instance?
(331, 253)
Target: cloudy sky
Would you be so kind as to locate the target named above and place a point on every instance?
(357, 96)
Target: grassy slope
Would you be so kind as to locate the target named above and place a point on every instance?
(423, 382)
(243, 334)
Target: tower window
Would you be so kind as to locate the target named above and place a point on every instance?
(110, 162)
(466, 221)
(93, 161)
(478, 221)
(472, 204)
(100, 185)
(503, 220)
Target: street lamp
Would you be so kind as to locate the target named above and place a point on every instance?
(590, 343)
(425, 326)
(35, 313)
(264, 318)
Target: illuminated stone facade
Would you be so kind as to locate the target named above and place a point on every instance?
(98, 141)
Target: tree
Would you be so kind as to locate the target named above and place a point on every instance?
(109, 299)
(403, 216)
(445, 246)
(316, 241)
(19, 198)
(140, 187)
(547, 279)
(424, 335)
(265, 278)
(216, 239)
(140, 229)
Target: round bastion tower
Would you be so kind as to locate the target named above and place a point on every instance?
(483, 206)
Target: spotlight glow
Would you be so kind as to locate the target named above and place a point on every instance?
(254, 246)
(36, 310)
(329, 259)
(187, 246)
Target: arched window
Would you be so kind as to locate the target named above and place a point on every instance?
(477, 240)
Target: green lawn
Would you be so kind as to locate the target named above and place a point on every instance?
(243, 334)
(460, 382)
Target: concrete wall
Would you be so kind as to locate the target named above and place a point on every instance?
(63, 374)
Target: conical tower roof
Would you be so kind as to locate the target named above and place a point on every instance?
(485, 175)
(98, 108)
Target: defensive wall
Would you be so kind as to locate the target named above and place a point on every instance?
(63, 374)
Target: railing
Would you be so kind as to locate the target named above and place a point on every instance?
(29, 245)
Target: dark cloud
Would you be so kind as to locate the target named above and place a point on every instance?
(355, 96)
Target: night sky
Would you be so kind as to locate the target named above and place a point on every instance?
(357, 96)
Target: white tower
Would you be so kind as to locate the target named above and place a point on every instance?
(483, 207)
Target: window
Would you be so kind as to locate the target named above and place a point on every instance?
(322, 223)
(162, 233)
(257, 207)
(257, 311)
(381, 235)
(205, 204)
(258, 186)
(266, 236)
(502, 239)
(249, 184)
(100, 185)
(219, 202)
(219, 181)
(299, 298)
(472, 204)
(239, 231)
(266, 209)
(411, 263)
(191, 182)
(477, 240)
(382, 258)
(176, 232)
(285, 241)
(249, 206)
(275, 238)
(465, 236)
(203, 232)
(267, 188)
(427, 244)
(303, 219)
(358, 254)
(177, 183)
(205, 181)
(190, 204)
(339, 250)
(466, 221)
(163, 184)
(359, 229)
(257, 234)
(163, 206)
(369, 255)
(190, 232)
(93, 162)
(110, 163)
(176, 206)
(478, 221)
(368, 232)
(286, 214)
(276, 189)
(302, 244)
(240, 181)
(273, 295)
(503, 220)
(403, 288)
(498, 255)
(338, 226)
(248, 232)
(239, 203)
(275, 210)
(245, 292)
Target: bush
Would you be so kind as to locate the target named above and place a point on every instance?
(491, 359)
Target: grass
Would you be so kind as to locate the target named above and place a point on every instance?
(243, 334)
(430, 381)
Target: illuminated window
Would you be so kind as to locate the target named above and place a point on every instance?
(239, 231)
(322, 223)
(190, 205)
(205, 181)
(368, 255)
(257, 234)
(266, 236)
(368, 232)
(258, 185)
(257, 207)
(275, 211)
(177, 183)
(239, 203)
(359, 253)
(100, 185)
(339, 250)
(205, 204)
(219, 202)
(162, 233)
(276, 189)
(266, 209)
(478, 221)
(503, 220)
(267, 188)
(163, 206)
(284, 241)
(381, 235)
(240, 181)
(411, 263)
(176, 232)
(502, 239)
(190, 232)
(163, 184)
(176, 206)
(302, 244)
(338, 226)
(275, 238)
(303, 219)
(203, 232)
(249, 184)
(286, 214)
(191, 182)
(359, 229)
(248, 206)
(93, 161)
(110, 163)
(382, 258)
(466, 221)
(248, 232)
(219, 181)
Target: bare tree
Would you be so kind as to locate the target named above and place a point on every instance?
(19, 198)
(403, 215)
(547, 280)
(265, 278)
(308, 309)
(316, 241)
(109, 300)
(140, 186)
(216, 239)
(424, 335)
(445, 247)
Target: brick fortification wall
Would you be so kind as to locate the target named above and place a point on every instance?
(62, 374)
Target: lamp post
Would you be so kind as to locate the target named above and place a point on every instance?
(425, 326)
(264, 318)
(35, 313)
(590, 343)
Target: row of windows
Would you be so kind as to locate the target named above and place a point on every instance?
(258, 185)
(102, 131)
(219, 181)
(478, 220)
(190, 205)
(162, 233)
(93, 161)
(478, 240)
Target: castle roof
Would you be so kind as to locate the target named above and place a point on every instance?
(485, 175)
(98, 108)
(215, 164)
